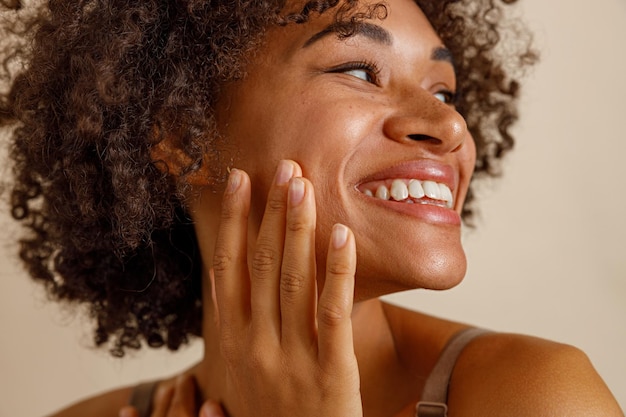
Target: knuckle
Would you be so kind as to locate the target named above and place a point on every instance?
(259, 361)
(264, 259)
(339, 268)
(275, 204)
(298, 225)
(291, 282)
(221, 259)
(331, 314)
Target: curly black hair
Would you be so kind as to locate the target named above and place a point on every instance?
(92, 85)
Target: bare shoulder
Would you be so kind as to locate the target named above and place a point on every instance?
(107, 404)
(501, 374)
(515, 375)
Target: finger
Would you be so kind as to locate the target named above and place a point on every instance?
(297, 279)
(268, 253)
(162, 400)
(128, 411)
(229, 260)
(211, 409)
(216, 310)
(334, 309)
(184, 400)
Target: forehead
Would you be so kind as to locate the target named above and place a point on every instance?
(402, 24)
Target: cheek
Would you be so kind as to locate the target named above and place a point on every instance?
(467, 163)
(469, 155)
(320, 132)
(328, 135)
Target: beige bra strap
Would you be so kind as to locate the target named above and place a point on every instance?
(141, 398)
(433, 402)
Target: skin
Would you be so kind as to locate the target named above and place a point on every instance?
(358, 127)
(291, 283)
(345, 130)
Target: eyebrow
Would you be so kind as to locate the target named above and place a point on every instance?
(369, 30)
(442, 54)
(375, 33)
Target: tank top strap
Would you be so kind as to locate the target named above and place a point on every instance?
(434, 399)
(141, 397)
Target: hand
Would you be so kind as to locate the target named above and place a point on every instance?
(178, 400)
(286, 353)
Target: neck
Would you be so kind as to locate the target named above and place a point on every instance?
(384, 381)
(386, 384)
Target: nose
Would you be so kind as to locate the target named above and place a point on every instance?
(427, 120)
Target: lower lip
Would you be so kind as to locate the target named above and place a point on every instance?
(428, 212)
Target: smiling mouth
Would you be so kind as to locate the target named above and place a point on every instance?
(410, 191)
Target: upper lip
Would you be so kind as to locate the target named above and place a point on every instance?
(423, 169)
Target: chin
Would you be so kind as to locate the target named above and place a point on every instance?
(443, 272)
(434, 271)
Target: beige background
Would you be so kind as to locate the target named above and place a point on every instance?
(547, 258)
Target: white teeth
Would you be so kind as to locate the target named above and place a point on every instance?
(446, 195)
(411, 190)
(399, 190)
(415, 189)
(431, 189)
(382, 193)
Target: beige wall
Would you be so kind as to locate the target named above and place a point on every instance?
(548, 257)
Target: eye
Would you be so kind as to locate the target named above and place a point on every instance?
(362, 70)
(446, 96)
(362, 74)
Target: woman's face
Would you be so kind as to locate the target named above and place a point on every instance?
(365, 117)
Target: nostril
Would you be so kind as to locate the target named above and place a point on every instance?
(421, 138)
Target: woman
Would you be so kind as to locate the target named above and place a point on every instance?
(126, 121)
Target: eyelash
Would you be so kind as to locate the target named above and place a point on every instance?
(370, 68)
(450, 97)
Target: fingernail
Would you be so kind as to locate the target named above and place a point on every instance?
(209, 410)
(233, 181)
(339, 236)
(127, 412)
(284, 172)
(296, 191)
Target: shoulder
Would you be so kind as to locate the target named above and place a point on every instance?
(504, 374)
(106, 404)
(515, 375)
